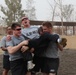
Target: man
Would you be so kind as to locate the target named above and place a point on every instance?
(40, 45)
(6, 63)
(51, 56)
(29, 32)
(16, 46)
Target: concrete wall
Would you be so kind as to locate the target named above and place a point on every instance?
(71, 42)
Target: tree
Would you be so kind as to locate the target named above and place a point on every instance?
(13, 12)
(60, 5)
(30, 10)
(67, 15)
(67, 12)
(53, 8)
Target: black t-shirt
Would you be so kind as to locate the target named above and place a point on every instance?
(41, 44)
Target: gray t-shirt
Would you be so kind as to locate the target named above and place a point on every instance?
(15, 41)
(31, 32)
(52, 50)
(3, 44)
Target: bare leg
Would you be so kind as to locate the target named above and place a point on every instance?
(5, 72)
(52, 74)
(28, 73)
(44, 74)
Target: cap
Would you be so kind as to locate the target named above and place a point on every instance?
(24, 18)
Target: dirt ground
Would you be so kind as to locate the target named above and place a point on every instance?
(67, 63)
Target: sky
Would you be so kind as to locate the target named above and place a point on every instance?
(42, 7)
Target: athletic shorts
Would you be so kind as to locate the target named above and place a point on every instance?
(6, 62)
(38, 61)
(50, 65)
(18, 67)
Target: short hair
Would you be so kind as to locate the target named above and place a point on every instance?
(14, 25)
(47, 24)
(40, 30)
(8, 28)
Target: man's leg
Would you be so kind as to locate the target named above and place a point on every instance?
(52, 74)
(5, 72)
(18, 67)
(38, 62)
(50, 66)
(6, 65)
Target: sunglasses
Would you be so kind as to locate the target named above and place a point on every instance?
(18, 29)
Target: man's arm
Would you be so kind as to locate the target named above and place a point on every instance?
(12, 49)
(3, 44)
(50, 37)
(62, 43)
(45, 37)
(60, 47)
(4, 48)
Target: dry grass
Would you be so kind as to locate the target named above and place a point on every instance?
(71, 44)
(1, 51)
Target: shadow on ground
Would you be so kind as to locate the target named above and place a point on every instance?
(67, 63)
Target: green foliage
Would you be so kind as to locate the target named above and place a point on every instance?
(13, 12)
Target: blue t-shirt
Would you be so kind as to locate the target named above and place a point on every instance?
(15, 41)
(31, 32)
(3, 44)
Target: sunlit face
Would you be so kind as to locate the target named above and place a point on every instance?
(25, 22)
(46, 29)
(17, 31)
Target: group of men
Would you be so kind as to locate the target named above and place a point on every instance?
(27, 40)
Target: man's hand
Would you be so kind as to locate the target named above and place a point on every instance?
(24, 48)
(24, 42)
(63, 42)
(31, 50)
(8, 38)
(4, 48)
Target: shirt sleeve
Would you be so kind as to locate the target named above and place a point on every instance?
(3, 42)
(9, 43)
